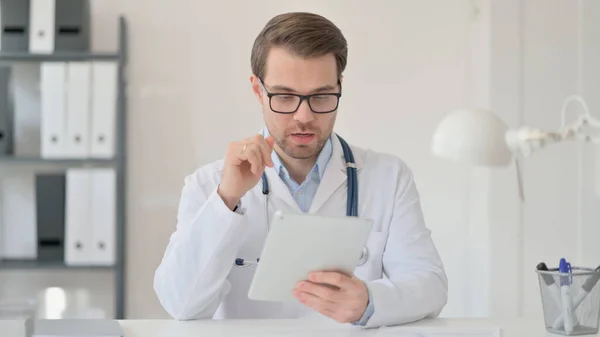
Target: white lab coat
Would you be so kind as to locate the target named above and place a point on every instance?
(196, 278)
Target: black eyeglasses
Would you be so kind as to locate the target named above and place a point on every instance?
(286, 103)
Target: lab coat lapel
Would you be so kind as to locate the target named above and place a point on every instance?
(334, 176)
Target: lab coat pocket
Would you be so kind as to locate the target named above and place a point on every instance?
(372, 268)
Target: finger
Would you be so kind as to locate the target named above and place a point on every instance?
(234, 153)
(338, 312)
(270, 141)
(323, 291)
(316, 303)
(258, 164)
(265, 150)
(332, 278)
(253, 157)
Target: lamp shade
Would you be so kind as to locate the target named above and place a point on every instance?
(475, 137)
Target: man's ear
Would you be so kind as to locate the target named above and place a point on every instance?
(256, 87)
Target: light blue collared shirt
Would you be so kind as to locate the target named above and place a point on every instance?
(304, 194)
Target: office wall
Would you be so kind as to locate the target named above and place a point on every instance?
(561, 221)
(541, 52)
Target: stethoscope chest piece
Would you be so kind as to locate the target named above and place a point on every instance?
(364, 256)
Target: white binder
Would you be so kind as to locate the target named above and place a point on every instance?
(78, 109)
(78, 229)
(103, 216)
(18, 216)
(41, 26)
(53, 78)
(104, 103)
(90, 232)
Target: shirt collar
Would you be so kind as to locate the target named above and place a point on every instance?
(318, 168)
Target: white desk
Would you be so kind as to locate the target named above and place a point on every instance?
(266, 328)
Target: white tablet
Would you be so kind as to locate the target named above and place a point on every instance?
(299, 244)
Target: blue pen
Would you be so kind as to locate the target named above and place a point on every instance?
(565, 290)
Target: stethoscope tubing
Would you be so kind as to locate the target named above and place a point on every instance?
(351, 202)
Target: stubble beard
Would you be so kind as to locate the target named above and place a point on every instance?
(301, 151)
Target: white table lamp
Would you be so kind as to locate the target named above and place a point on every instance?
(472, 136)
(478, 137)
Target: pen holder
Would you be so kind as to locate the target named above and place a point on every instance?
(571, 301)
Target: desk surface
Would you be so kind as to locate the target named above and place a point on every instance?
(252, 328)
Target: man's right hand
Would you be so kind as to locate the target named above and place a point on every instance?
(244, 164)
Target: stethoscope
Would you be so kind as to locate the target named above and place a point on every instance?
(351, 205)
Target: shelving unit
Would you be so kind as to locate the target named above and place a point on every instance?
(35, 264)
(58, 56)
(44, 161)
(118, 162)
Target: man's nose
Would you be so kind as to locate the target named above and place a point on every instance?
(304, 114)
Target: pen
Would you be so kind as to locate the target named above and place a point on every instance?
(587, 287)
(565, 288)
(553, 286)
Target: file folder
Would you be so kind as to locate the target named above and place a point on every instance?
(14, 22)
(42, 23)
(78, 109)
(50, 210)
(6, 112)
(18, 216)
(104, 108)
(78, 229)
(103, 216)
(72, 25)
(90, 216)
(53, 109)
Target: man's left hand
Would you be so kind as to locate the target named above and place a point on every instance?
(335, 295)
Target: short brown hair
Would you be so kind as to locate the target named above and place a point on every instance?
(303, 34)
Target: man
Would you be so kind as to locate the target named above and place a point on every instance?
(297, 63)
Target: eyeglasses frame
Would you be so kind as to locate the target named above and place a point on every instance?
(302, 98)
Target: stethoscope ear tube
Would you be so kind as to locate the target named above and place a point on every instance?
(352, 199)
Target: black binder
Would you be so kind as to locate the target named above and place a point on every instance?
(14, 25)
(50, 214)
(72, 25)
(6, 112)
